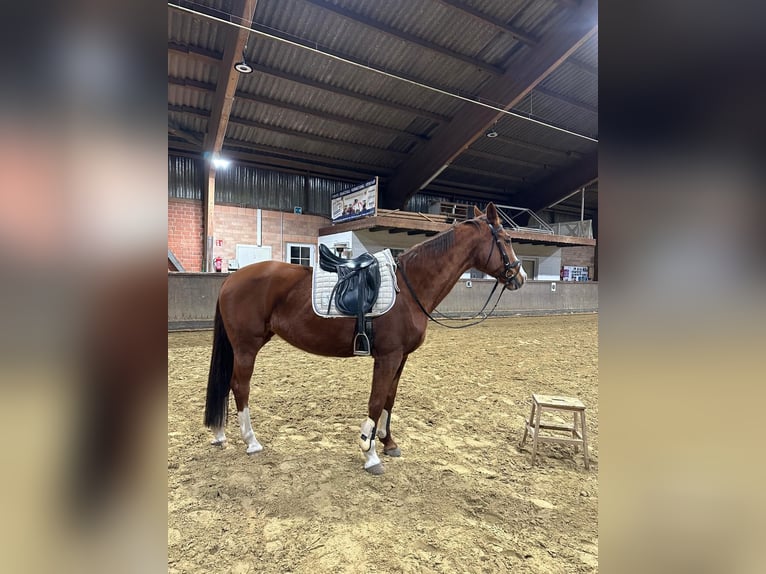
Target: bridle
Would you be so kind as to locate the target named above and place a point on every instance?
(510, 276)
(510, 270)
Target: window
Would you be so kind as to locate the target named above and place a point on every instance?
(300, 254)
(530, 268)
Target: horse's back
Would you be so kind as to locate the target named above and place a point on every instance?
(261, 285)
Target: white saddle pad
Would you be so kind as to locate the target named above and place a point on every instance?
(324, 281)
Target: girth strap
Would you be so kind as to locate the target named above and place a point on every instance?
(355, 292)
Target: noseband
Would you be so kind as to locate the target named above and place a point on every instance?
(510, 270)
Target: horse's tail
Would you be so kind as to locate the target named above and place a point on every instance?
(219, 379)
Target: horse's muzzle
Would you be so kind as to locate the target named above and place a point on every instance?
(517, 280)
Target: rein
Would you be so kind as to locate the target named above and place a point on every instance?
(510, 278)
(432, 318)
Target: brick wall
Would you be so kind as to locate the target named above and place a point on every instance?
(185, 232)
(240, 225)
(580, 256)
(235, 225)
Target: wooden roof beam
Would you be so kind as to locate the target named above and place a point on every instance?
(517, 33)
(205, 87)
(585, 67)
(377, 128)
(560, 184)
(438, 118)
(313, 137)
(566, 99)
(407, 37)
(471, 121)
(280, 129)
(242, 152)
(502, 159)
(485, 173)
(178, 131)
(538, 148)
(200, 54)
(236, 39)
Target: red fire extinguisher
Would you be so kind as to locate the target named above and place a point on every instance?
(218, 264)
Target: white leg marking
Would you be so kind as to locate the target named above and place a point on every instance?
(383, 424)
(371, 457)
(367, 443)
(219, 436)
(247, 432)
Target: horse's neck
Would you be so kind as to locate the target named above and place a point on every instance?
(433, 277)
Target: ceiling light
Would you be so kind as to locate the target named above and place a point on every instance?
(243, 67)
(221, 163)
(491, 133)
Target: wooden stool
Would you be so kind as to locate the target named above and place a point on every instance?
(533, 426)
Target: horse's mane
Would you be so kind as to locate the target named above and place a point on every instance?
(437, 245)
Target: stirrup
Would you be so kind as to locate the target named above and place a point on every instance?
(364, 347)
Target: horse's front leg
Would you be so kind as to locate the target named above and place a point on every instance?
(390, 447)
(383, 374)
(244, 363)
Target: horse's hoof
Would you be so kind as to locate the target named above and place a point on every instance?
(376, 469)
(393, 452)
(216, 442)
(252, 449)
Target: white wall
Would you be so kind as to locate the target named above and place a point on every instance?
(548, 259)
(346, 237)
(373, 242)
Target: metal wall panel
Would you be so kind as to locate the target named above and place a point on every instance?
(185, 178)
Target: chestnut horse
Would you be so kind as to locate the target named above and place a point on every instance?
(274, 297)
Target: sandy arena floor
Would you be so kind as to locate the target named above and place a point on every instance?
(462, 498)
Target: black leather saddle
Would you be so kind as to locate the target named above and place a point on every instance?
(355, 292)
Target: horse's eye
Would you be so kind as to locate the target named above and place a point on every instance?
(507, 240)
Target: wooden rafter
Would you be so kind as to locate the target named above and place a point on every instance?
(236, 38)
(296, 162)
(438, 118)
(592, 70)
(407, 37)
(313, 137)
(538, 148)
(377, 128)
(502, 159)
(471, 121)
(282, 130)
(199, 54)
(517, 33)
(560, 184)
(566, 99)
(485, 173)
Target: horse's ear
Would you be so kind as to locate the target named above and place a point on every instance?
(492, 216)
(477, 212)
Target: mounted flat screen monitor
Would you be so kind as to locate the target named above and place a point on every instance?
(357, 202)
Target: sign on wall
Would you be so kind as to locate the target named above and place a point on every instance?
(359, 201)
(574, 273)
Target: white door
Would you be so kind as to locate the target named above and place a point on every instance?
(247, 254)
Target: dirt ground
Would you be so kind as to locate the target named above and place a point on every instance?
(462, 498)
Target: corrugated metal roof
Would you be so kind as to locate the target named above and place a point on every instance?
(356, 128)
(588, 52)
(185, 28)
(182, 67)
(380, 50)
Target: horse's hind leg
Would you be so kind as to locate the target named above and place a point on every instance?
(390, 447)
(244, 362)
(383, 374)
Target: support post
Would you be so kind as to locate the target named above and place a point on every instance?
(209, 209)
